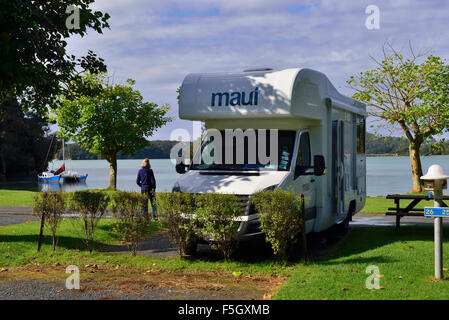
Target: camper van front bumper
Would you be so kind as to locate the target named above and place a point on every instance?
(250, 230)
(249, 227)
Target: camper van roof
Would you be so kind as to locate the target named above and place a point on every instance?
(260, 93)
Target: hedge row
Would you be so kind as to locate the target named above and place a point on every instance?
(212, 217)
(209, 216)
(89, 207)
(188, 217)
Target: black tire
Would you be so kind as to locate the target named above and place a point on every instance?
(190, 250)
(344, 225)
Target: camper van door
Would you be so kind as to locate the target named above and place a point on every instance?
(303, 178)
(338, 170)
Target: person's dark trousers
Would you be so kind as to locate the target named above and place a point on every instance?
(150, 194)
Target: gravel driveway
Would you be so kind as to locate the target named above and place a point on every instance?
(42, 290)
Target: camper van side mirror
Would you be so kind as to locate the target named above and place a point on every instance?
(319, 165)
(181, 168)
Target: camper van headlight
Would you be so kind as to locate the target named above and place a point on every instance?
(176, 188)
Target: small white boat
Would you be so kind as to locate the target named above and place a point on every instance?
(73, 176)
(48, 176)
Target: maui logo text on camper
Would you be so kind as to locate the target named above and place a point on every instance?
(235, 98)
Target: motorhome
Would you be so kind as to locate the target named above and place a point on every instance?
(320, 139)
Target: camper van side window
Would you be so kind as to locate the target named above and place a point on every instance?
(360, 135)
(303, 159)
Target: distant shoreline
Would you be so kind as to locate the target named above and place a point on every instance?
(373, 155)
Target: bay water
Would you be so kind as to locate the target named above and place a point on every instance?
(385, 175)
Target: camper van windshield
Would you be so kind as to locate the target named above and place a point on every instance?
(246, 152)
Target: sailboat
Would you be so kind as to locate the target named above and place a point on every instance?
(61, 173)
(73, 176)
(51, 177)
(70, 175)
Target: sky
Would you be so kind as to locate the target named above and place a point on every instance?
(158, 43)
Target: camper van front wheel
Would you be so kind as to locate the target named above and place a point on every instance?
(190, 249)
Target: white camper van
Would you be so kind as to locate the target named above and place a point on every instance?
(316, 126)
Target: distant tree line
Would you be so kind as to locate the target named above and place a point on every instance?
(157, 149)
(160, 149)
(385, 145)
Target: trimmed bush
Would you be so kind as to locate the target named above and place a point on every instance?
(280, 218)
(132, 226)
(215, 213)
(91, 205)
(176, 211)
(49, 207)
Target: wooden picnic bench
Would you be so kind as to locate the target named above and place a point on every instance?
(410, 209)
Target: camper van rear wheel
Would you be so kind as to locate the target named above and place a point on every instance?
(344, 225)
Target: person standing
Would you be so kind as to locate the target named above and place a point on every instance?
(147, 183)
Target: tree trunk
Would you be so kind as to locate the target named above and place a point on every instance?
(416, 166)
(112, 171)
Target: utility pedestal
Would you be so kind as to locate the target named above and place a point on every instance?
(435, 180)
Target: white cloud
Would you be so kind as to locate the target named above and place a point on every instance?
(159, 42)
(340, 56)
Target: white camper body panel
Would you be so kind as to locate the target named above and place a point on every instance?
(302, 100)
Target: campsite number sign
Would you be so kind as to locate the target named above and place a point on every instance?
(436, 212)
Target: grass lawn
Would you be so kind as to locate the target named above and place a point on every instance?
(405, 262)
(22, 197)
(380, 205)
(404, 259)
(16, 198)
(18, 244)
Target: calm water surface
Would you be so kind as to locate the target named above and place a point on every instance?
(385, 175)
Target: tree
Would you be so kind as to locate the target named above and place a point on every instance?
(107, 119)
(24, 141)
(404, 93)
(33, 48)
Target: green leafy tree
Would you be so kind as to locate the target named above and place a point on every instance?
(107, 119)
(25, 143)
(33, 48)
(410, 93)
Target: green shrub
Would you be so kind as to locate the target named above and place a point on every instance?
(215, 214)
(280, 218)
(176, 211)
(132, 226)
(49, 207)
(91, 205)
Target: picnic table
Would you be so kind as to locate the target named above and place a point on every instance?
(410, 209)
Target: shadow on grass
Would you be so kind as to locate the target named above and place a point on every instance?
(360, 260)
(364, 239)
(63, 242)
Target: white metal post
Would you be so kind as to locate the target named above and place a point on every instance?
(435, 179)
(438, 230)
